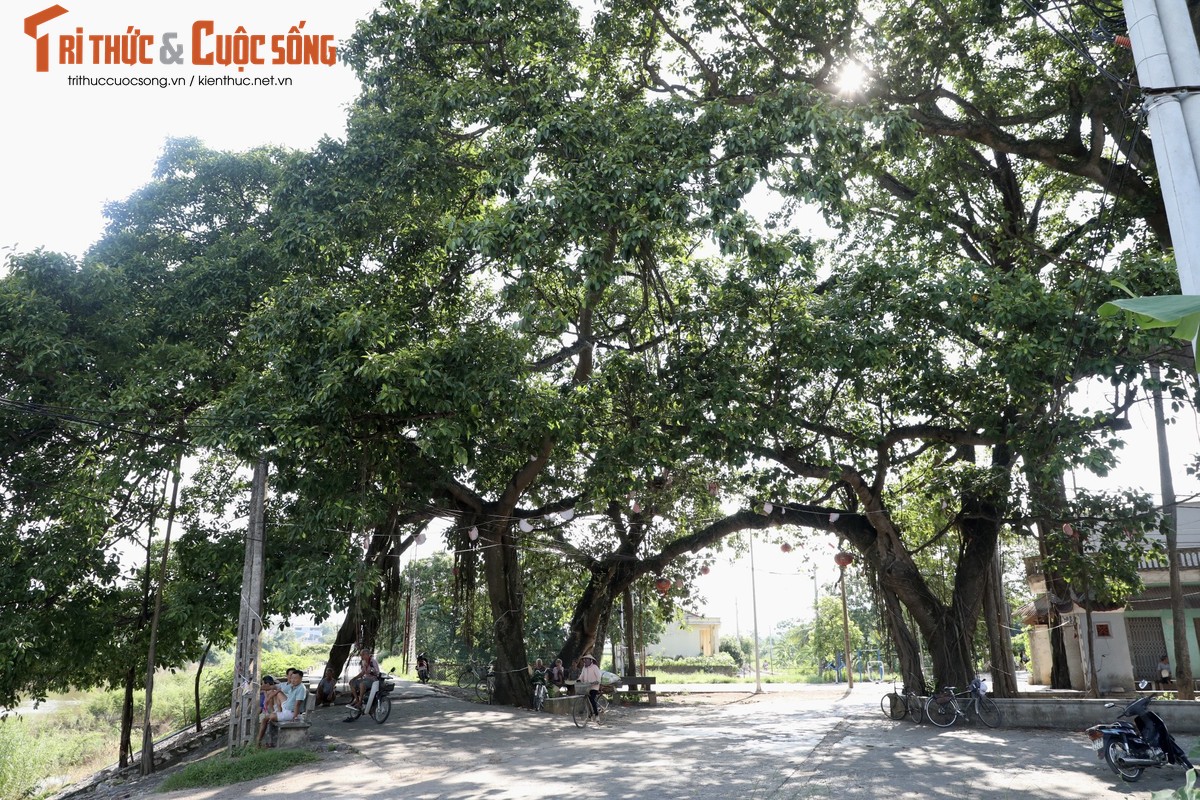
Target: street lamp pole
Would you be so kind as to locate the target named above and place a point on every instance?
(754, 615)
(843, 560)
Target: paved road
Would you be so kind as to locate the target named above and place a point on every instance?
(819, 742)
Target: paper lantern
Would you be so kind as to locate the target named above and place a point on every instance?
(679, 584)
(704, 570)
(635, 507)
(526, 525)
(842, 558)
(663, 585)
(567, 514)
(785, 547)
(421, 538)
(714, 488)
(768, 507)
(833, 517)
(473, 534)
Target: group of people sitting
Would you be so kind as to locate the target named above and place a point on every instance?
(281, 702)
(587, 678)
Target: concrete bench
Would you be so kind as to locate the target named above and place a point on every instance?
(291, 735)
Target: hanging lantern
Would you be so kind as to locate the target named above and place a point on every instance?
(1069, 530)
(526, 526)
(768, 507)
(679, 584)
(663, 585)
(635, 507)
(421, 538)
(714, 488)
(473, 534)
(785, 547)
(833, 517)
(567, 514)
(843, 559)
(704, 570)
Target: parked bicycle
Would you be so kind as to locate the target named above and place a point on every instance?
(898, 705)
(481, 678)
(944, 709)
(581, 710)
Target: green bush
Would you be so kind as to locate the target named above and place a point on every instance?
(719, 664)
(22, 762)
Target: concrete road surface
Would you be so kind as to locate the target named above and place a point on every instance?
(810, 742)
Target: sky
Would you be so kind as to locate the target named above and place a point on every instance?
(69, 149)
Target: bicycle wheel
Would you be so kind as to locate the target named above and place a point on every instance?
(602, 706)
(893, 706)
(914, 706)
(941, 710)
(987, 711)
(579, 712)
(467, 678)
(383, 707)
(539, 697)
(484, 689)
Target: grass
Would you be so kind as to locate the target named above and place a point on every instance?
(246, 766)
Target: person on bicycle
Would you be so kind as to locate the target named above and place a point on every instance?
(589, 681)
(537, 675)
(360, 685)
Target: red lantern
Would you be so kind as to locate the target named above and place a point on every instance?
(785, 547)
(663, 585)
(704, 570)
(842, 558)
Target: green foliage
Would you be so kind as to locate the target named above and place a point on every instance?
(1186, 792)
(222, 770)
(721, 663)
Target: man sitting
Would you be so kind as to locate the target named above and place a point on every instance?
(327, 688)
(294, 695)
(360, 685)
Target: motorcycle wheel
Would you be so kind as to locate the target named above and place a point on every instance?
(1115, 751)
(383, 707)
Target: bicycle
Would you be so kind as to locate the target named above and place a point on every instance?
(897, 706)
(943, 708)
(479, 677)
(540, 693)
(378, 704)
(581, 710)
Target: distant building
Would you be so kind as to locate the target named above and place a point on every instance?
(1128, 639)
(694, 636)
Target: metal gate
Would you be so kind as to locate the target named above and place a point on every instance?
(1146, 646)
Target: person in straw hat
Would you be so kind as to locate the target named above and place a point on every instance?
(589, 681)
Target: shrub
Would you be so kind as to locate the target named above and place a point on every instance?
(246, 766)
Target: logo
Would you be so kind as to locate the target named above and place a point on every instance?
(205, 44)
(43, 42)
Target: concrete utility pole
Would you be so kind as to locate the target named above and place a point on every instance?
(243, 714)
(1168, 67)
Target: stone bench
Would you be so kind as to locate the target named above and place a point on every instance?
(291, 735)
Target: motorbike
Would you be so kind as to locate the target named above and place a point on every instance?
(1131, 747)
(422, 668)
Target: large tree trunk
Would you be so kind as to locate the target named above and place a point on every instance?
(502, 569)
(1047, 494)
(998, 618)
(908, 650)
